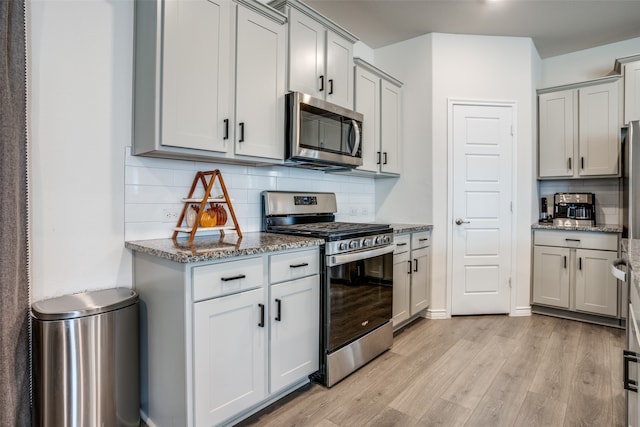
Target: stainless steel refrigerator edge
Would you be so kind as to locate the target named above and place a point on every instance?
(630, 219)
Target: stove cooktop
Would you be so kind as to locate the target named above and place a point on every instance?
(332, 230)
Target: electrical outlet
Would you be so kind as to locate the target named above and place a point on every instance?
(364, 211)
(353, 211)
(169, 214)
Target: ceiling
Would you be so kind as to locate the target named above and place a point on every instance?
(556, 26)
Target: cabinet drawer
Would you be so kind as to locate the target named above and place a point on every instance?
(294, 265)
(227, 278)
(421, 239)
(577, 239)
(402, 242)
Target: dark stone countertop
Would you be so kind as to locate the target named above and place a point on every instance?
(216, 247)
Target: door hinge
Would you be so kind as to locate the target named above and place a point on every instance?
(509, 282)
(511, 206)
(512, 133)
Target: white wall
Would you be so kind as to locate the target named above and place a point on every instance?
(585, 64)
(80, 94)
(436, 68)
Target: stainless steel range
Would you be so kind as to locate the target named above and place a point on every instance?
(356, 279)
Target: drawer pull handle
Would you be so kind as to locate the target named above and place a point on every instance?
(228, 279)
(261, 324)
(303, 264)
(572, 240)
(401, 244)
(423, 240)
(278, 310)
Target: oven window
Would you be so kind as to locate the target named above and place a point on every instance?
(360, 298)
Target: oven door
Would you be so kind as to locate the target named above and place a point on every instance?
(360, 291)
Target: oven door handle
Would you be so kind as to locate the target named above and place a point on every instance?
(333, 260)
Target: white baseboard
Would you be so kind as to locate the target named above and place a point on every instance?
(521, 311)
(437, 314)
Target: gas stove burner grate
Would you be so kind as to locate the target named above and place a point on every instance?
(331, 228)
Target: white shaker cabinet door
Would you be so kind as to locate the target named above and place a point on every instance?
(557, 133)
(631, 91)
(307, 40)
(599, 130)
(229, 355)
(260, 86)
(402, 266)
(197, 72)
(367, 102)
(551, 276)
(295, 331)
(596, 288)
(390, 128)
(420, 275)
(339, 71)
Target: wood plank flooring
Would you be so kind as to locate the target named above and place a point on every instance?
(474, 371)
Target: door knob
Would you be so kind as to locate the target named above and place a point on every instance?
(460, 221)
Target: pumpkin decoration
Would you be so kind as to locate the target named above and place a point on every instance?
(221, 214)
(209, 218)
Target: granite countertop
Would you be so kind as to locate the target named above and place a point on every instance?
(410, 228)
(603, 228)
(207, 248)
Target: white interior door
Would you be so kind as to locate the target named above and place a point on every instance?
(481, 209)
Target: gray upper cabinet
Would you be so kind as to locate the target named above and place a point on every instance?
(195, 94)
(320, 60)
(579, 130)
(629, 67)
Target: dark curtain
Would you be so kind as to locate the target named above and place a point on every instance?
(14, 286)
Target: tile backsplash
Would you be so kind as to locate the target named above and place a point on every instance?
(154, 189)
(607, 193)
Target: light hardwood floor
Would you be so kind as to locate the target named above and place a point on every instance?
(474, 371)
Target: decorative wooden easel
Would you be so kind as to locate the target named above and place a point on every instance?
(201, 177)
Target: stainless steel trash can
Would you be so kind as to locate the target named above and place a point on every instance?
(85, 359)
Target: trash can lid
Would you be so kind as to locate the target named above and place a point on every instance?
(83, 304)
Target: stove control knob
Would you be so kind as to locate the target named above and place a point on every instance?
(367, 242)
(378, 240)
(386, 239)
(342, 246)
(353, 244)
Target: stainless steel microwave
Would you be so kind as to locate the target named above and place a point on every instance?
(322, 135)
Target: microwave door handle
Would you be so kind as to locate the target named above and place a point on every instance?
(356, 129)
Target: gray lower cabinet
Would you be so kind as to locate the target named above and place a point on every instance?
(571, 271)
(220, 340)
(411, 276)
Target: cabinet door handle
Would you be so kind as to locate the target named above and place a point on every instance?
(226, 129)
(629, 356)
(378, 161)
(385, 158)
(241, 132)
(261, 324)
(415, 263)
(580, 263)
(278, 310)
(238, 277)
(330, 86)
(409, 272)
(570, 163)
(565, 261)
(303, 264)
(581, 162)
(321, 83)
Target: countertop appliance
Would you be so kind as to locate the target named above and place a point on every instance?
(321, 135)
(356, 279)
(574, 209)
